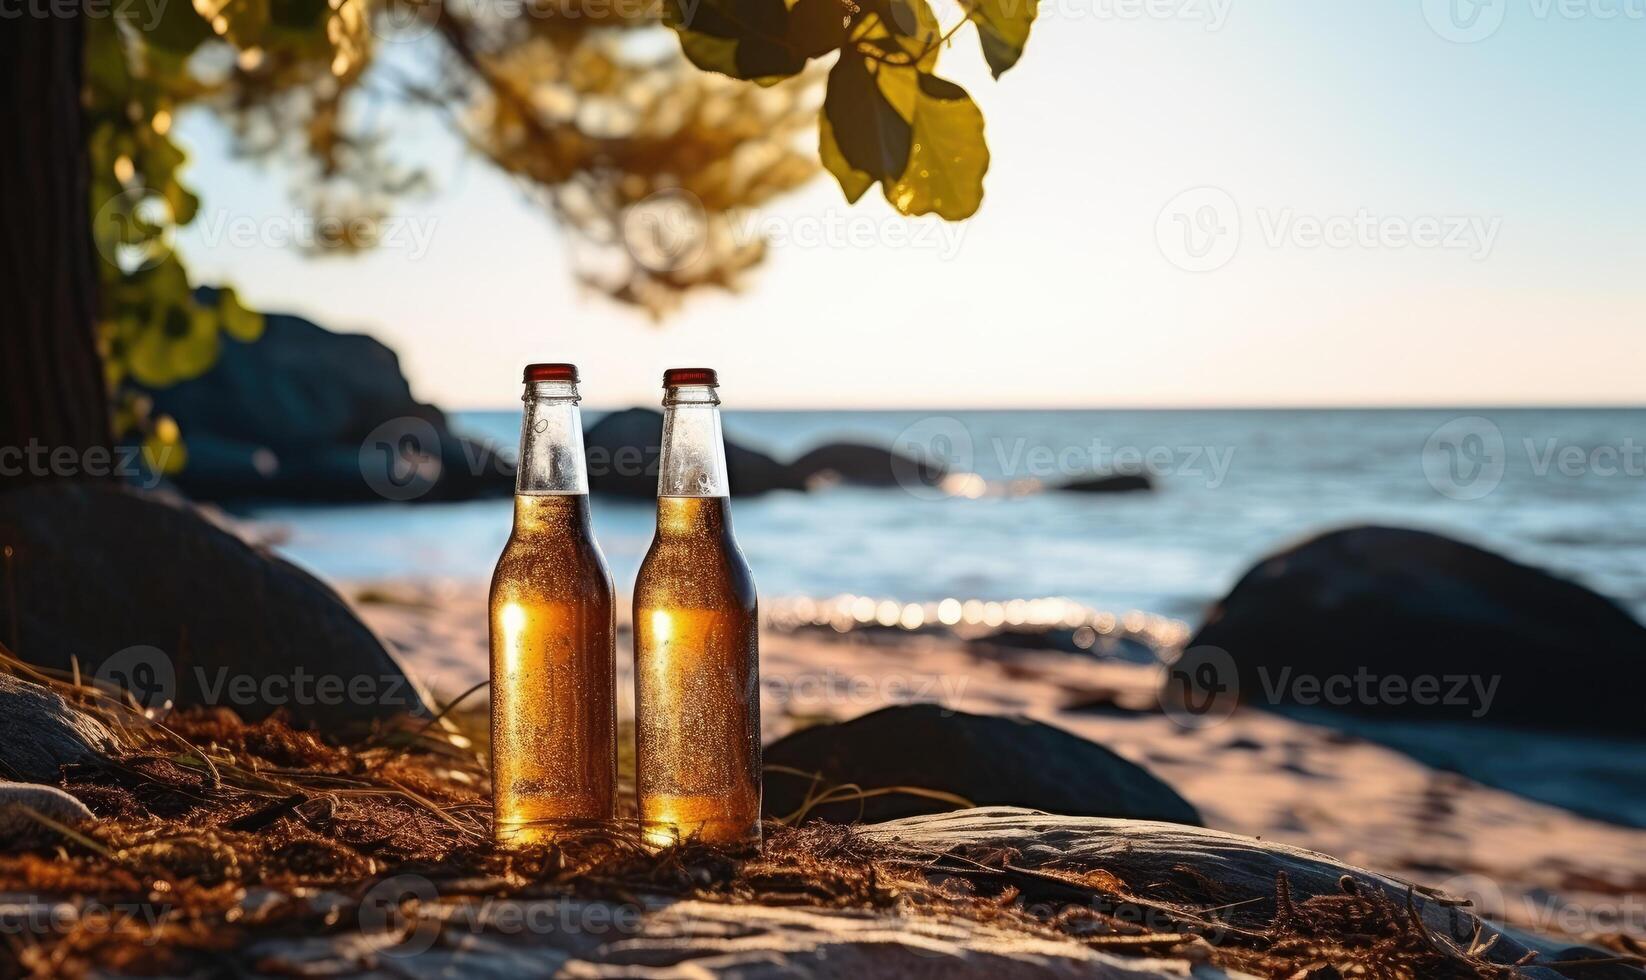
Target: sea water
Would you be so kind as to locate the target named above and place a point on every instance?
(1558, 488)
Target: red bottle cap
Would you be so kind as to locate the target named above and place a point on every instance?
(551, 372)
(674, 377)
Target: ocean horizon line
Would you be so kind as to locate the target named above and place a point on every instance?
(1042, 409)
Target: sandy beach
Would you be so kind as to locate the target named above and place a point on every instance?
(1260, 774)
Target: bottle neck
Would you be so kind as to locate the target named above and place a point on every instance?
(693, 460)
(551, 441)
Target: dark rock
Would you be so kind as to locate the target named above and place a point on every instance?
(40, 733)
(147, 594)
(1408, 604)
(863, 466)
(1110, 483)
(623, 447)
(987, 760)
(307, 414)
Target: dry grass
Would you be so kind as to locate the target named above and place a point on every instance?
(204, 818)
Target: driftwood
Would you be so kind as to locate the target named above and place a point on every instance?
(693, 939)
(22, 806)
(40, 732)
(1181, 882)
(1176, 862)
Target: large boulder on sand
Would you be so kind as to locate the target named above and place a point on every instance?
(984, 759)
(303, 413)
(623, 447)
(144, 593)
(1527, 648)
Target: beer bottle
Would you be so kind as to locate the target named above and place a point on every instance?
(554, 724)
(696, 645)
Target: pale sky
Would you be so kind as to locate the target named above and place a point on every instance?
(1513, 161)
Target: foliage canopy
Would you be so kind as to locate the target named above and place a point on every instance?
(575, 98)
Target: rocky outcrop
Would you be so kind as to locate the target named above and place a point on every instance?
(1384, 608)
(142, 592)
(984, 759)
(306, 414)
(864, 466)
(623, 448)
(1109, 483)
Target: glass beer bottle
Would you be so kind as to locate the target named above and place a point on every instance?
(554, 706)
(696, 646)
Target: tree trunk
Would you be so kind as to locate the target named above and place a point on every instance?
(52, 393)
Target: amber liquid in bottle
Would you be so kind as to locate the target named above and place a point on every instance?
(554, 725)
(697, 671)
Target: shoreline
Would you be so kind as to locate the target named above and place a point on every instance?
(1259, 773)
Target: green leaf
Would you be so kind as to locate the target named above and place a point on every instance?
(238, 322)
(746, 39)
(179, 342)
(948, 157)
(1003, 29)
(171, 27)
(905, 31)
(872, 137)
(852, 181)
(816, 27)
(303, 16)
(163, 448)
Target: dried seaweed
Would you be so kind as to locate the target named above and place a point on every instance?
(214, 832)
